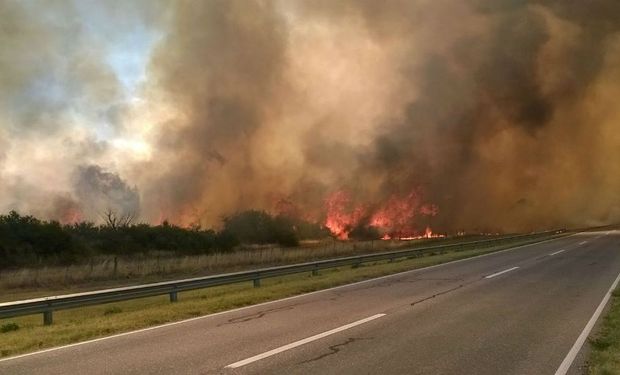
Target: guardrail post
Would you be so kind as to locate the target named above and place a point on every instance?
(315, 271)
(257, 281)
(48, 319)
(173, 297)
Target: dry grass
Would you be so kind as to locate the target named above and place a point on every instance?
(156, 266)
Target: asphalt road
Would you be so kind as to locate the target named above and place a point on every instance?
(514, 312)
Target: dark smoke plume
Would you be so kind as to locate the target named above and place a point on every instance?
(100, 191)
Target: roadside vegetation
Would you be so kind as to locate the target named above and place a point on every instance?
(27, 333)
(40, 255)
(28, 241)
(110, 270)
(605, 343)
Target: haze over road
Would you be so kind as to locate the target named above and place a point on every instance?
(513, 312)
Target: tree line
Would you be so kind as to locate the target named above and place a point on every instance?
(27, 241)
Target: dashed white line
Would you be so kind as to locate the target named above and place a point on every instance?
(302, 342)
(572, 354)
(557, 252)
(583, 242)
(500, 272)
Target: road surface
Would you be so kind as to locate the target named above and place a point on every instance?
(518, 311)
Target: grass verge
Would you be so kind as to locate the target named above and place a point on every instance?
(104, 271)
(605, 343)
(28, 334)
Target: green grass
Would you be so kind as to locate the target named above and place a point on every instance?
(605, 343)
(90, 322)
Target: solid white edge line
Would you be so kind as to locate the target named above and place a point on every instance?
(500, 273)
(302, 342)
(276, 301)
(557, 252)
(572, 354)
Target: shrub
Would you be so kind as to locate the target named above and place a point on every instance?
(8, 327)
(362, 232)
(28, 241)
(112, 310)
(259, 227)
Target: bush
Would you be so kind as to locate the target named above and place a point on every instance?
(258, 227)
(112, 310)
(365, 233)
(8, 327)
(27, 241)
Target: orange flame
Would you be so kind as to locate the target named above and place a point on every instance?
(395, 218)
(396, 214)
(71, 216)
(428, 233)
(341, 219)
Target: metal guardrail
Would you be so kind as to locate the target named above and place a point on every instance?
(47, 305)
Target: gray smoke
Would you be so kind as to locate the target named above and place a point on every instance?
(99, 191)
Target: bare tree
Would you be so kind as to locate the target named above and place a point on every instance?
(115, 221)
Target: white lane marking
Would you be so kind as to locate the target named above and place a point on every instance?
(572, 354)
(583, 242)
(302, 342)
(500, 272)
(557, 252)
(417, 270)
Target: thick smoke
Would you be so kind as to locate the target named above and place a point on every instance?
(221, 67)
(500, 113)
(103, 192)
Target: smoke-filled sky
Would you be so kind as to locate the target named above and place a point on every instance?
(496, 114)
